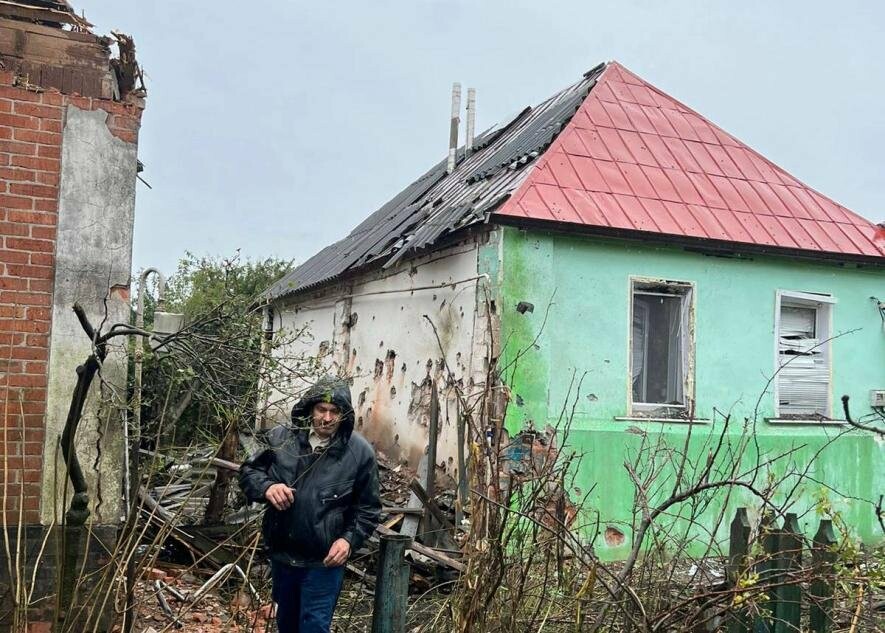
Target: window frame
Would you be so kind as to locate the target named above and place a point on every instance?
(688, 292)
(823, 304)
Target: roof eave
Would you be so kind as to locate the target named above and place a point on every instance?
(353, 275)
(704, 245)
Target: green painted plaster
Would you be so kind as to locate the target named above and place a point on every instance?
(582, 285)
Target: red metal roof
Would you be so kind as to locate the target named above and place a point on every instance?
(634, 159)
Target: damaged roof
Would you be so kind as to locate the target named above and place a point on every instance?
(54, 13)
(610, 154)
(438, 204)
(46, 45)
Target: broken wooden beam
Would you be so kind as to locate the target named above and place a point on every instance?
(416, 511)
(430, 535)
(429, 552)
(430, 505)
(213, 461)
(410, 524)
(392, 521)
(203, 548)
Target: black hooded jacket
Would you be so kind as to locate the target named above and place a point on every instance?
(336, 488)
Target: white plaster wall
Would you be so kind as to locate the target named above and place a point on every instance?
(93, 261)
(390, 350)
(305, 330)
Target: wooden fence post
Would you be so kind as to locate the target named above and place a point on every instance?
(738, 546)
(788, 603)
(821, 591)
(392, 586)
(767, 570)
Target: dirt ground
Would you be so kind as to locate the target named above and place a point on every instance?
(230, 610)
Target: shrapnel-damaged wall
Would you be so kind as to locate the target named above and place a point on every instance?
(373, 330)
(585, 283)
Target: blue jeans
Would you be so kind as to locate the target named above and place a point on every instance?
(306, 597)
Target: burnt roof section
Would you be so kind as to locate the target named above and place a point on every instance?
(53, 13)
(48, 46)
(437, 204)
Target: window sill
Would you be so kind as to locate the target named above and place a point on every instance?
(805, 422)
(671, 420)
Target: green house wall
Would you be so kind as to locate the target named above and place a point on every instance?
(580, 290)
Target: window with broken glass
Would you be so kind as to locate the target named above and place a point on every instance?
(803, 355)
(661, 349)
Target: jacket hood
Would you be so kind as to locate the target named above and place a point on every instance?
(328, 389)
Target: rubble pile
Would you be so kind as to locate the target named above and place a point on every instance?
(221, 611)
(208, 578)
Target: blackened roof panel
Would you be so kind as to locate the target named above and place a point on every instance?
(438, 203)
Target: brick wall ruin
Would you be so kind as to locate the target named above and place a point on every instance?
(69, 121)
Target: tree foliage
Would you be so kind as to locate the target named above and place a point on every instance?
(201, 284)
(199, 386)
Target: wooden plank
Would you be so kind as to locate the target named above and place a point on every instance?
(25, 12)
(430, 505)
(821, 591)
(50, 31)
(410, 524)
(429, 552)
(789, 592)
(392, 521)
(432, 440)
(430, 534)
(52, 46)
(768, 573)
(392, 586)
(397, 510)
(221, 463)
(461, 505)
(366, 577)
(737, 565)
(442, 537)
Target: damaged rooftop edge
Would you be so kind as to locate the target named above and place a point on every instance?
(46, 45)
(438, 204)
(52, 13)
(621, 158)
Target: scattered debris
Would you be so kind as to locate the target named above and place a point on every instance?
(193, 573)
(173, 603)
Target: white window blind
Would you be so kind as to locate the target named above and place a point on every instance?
(804, 359)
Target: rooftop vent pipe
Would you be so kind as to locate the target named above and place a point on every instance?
(453, 131)
(471, 120)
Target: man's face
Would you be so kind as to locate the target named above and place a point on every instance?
(326, 417)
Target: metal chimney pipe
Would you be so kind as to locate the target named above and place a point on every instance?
(471, 120)
(453, 131)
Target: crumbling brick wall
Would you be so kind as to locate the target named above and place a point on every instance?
(69, 122)
(31, 125)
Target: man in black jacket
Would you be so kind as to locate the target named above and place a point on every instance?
(320, 481)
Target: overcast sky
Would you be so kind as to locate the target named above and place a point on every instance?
(275, 127)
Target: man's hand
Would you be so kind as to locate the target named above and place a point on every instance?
(280, 496)
(338, 553)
